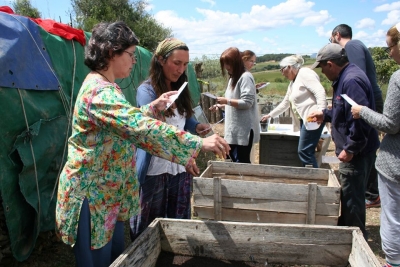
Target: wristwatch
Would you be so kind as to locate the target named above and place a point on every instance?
(229, 102)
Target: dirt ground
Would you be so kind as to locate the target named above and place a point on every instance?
(50, 252)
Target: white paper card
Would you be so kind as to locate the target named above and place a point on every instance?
(264, 85)
(210, 95)
(349, 100)
(174, 97)
(330, 159)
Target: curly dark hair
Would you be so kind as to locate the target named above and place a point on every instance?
(108, 40)
(184, 102)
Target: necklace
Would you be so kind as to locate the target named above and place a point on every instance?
(103, 76)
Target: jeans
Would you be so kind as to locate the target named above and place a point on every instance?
(353, 177)
(242, 153)
(102, 257)
(307, 143)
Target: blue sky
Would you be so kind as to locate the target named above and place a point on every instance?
(264, 26)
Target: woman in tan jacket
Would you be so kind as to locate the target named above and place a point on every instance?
(305, 94)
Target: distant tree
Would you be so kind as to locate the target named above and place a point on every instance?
(133, 13)
(385, 66)
(24, 8)
(271, 57)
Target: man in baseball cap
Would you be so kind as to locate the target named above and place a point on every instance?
(329, 51)
(356, 142)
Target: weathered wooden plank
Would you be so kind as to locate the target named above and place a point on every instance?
(267, 205)
(333, 181)
(262, 190)
(361, 254)
(268, 170)
(144, 251)
(270, 179)
(262, 243)
(311, 203)
(217, 199)
(208, 171)
(255, 216)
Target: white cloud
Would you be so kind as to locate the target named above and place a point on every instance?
(318, 18)
(392, 18)
(371, 39)
(219, 26)
(150, 6)
(211, 2)
(321, 32)
(387, 7)
(365, 23)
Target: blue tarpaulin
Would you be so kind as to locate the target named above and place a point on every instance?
(21, 37)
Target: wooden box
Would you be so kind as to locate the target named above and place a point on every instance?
(256, 244)
(228, 191)
(279, 150)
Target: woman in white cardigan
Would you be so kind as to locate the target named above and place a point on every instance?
(304, 95)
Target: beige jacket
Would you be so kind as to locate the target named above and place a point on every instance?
(304, 95)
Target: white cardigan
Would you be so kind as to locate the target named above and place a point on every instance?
(306, 93)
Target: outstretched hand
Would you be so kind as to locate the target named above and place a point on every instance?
(161, 102)
(216, 144)
(203, 128)
(265, 118)
(192, 168)
(355, 110)
(317, 116)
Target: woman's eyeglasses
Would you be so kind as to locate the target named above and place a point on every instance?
(132, 55)
(387, 49)
(283, 68)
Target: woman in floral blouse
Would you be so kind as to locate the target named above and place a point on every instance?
(98, 187)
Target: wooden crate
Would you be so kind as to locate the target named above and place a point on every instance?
(258, 244)
(279, 150)
(228, 191)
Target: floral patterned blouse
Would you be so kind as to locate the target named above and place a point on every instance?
(101, 165)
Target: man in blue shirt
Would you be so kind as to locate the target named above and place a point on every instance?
(359, 54)
(356, 142)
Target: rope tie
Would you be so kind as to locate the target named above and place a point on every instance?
(33, 156)
(69, 117)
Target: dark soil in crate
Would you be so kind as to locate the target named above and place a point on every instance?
(167, 259)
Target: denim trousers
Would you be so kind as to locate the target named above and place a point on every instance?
(353, 177)
(102, 257)
(307, 143)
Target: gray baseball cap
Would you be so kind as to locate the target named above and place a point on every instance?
(329, 51)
